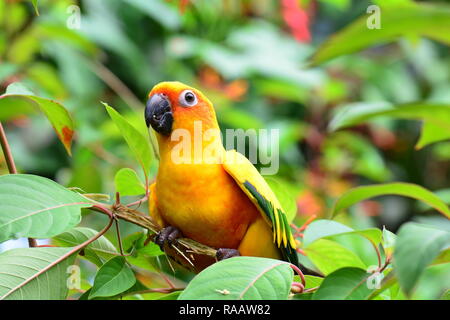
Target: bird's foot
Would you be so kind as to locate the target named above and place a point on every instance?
(167, 235)
(224, 253)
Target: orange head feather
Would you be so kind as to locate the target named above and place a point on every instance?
(180, 102)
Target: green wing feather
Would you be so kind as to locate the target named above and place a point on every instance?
(257, 189)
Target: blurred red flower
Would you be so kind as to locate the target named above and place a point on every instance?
(296, 19)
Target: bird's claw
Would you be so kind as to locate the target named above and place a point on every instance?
(225, 253)
(167, 235)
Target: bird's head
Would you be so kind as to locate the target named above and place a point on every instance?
(174, 105)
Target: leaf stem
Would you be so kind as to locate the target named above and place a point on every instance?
(377, 250)
(167, 280)
(138, 202)
(118, 237)
(310, 289)
(300, 273)
(183, 247)
(386, 263)
(119, 240)
(155, 290)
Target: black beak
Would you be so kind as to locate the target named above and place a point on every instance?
(158, 114)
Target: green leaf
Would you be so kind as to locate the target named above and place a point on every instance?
(241, 278)
(357, 113)
(345, 151)
(135, 243)
(399, 188)
(389, 239)
(329, 256)
(134, 290)
(114, 277)
(329, 228)
(36, 207)
(35, 6)
(303, 296)
(138, 144)
(142, 256)
(46, 76)
(284, 193)
(127, 183)
(97, 252)
(416, 247)
(18, 100)
(432, 133)
(322, 228)
(436, 117)
(443, 257)
(17, 266)
(415, 20)
(344, 284)
(311, 281)
(53, 31)
(443, 194)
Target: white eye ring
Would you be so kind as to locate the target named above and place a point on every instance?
(188, 98)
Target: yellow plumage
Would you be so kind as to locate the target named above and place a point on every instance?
(223, 203)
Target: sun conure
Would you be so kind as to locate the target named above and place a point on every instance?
(213, 196)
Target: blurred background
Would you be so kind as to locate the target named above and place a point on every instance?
(251, 58)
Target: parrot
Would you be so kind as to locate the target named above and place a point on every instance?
(220, 200)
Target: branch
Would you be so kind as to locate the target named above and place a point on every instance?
(377, 250)
(117, 86)
(184, 250)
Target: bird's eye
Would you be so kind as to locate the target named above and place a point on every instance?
(188, 98)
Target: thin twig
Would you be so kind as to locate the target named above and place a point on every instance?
(138, 202)
(183, 245)
(386, 263)
(310, 289)
(184, 256)
(377, 250)
(308, 222)
(166, 279)
(118, 237)
(7, 151)
(300, 273)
